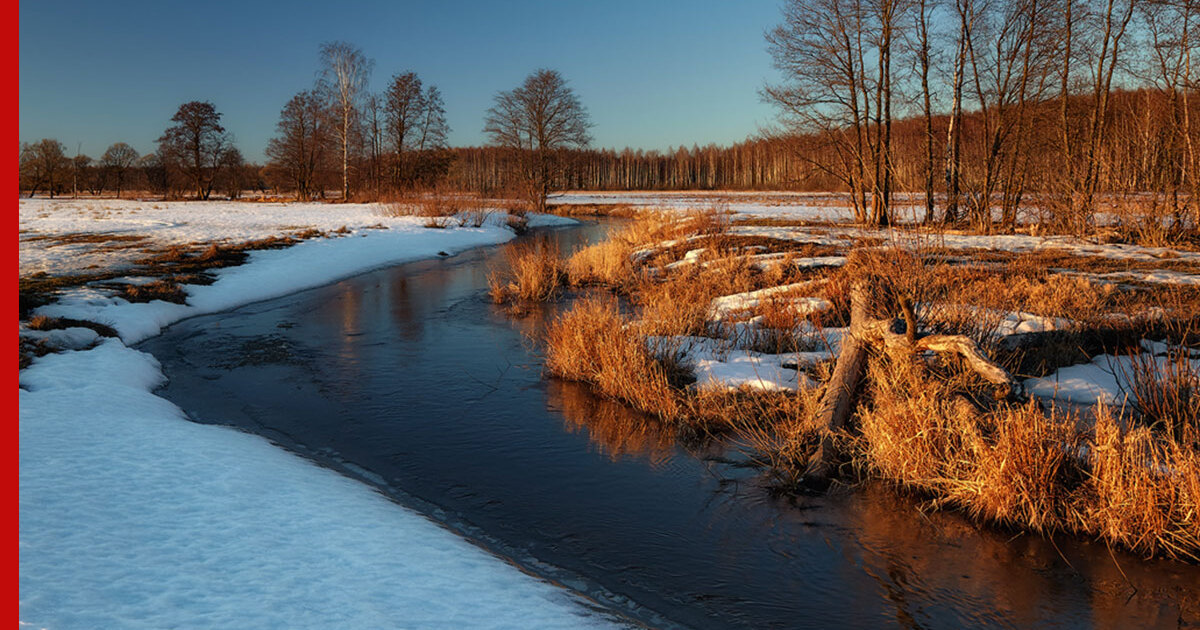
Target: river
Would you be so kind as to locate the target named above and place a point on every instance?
(408, 379)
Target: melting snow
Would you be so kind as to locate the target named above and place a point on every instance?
(133, 517)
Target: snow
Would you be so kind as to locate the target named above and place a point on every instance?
(1006, 323)
(1154, 276)
(268, 273)
(63, 339)
(166, 223)
(716, 364)
(732, 306)
(131, 516)
(1106, 379)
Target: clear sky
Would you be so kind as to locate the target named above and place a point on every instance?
(652, 73)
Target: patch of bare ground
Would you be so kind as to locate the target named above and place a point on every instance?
(103, 241)
(925, 413)
(615, 210)
(167, 268)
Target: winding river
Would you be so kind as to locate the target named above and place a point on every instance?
(408, 379)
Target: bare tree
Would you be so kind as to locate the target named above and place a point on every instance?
(433, 161)
(434, 129)
(345, 71)
(537, 120)
(967, 15)
(923, 49)
(81, 167)
(403, 107)
(43, 164)
(1010, 64)
(1173, 29)
(373, 132)
(1111, 25)
(826, 50)
(116, 162)
(196, 144)
(300, 146)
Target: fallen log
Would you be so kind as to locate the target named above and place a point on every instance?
(895, 335)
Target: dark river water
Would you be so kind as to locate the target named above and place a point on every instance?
(408, 379)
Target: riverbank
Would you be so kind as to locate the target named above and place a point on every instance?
(132, 516)
(735, 326)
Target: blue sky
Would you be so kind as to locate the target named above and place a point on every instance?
(653, 73)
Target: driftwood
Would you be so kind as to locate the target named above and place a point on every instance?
(867, 333)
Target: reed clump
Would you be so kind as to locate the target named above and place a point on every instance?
(533, 272)
(1021, 467)
(595, 343)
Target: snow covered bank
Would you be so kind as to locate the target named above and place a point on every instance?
(133, 517)
(272, 273)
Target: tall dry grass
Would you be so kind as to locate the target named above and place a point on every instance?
(532, 271)
(615, 261)
(1165, 393)
(1023, 468)
(441, 207)
(595, 343)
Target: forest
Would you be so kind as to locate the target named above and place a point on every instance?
(973, 111)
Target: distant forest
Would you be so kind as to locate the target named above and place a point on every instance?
(977, 105)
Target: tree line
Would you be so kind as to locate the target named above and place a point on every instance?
(979, 108)
(1061, 100)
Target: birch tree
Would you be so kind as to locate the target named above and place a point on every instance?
(345, 71)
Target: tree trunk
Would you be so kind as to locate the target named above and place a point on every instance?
(837, 400)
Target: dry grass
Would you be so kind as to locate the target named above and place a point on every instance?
(1166, 393)
(165, 290)
(607, 263)
(1154, 221)
(533, 271)
(442, 207)
(1022, 468)
(105, 241)
(595, 343)
(614, 210)
(44, 322)
(1142, 492)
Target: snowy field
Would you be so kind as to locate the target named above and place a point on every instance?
(133, 517)
(46, 227)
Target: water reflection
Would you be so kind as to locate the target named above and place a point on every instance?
(941, 563)
(612, 428)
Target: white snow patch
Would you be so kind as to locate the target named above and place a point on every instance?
(73, 338)
(716, 365)
(133, 517)
(1107, 379)
(739, 304)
